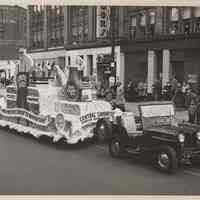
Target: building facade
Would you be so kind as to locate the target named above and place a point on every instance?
(150, 42)
(12, 31)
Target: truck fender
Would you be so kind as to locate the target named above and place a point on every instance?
(120, 133)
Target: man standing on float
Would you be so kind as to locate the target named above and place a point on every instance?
(22, 76)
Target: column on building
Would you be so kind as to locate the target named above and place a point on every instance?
(28, 27)
(152, 70)
(67, 26)
(45, 29)
(85, 70)
(94, 62)
(122, 65)
(166, 67)
(118, 64)
(91, 23)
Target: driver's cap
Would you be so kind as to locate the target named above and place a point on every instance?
(22, 50)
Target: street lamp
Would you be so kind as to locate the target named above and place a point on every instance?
(112, 40)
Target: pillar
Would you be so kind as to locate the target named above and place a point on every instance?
(28, 28)
(94, 62)
(122, 68)
(91, 23)
(152, 70)
(85, 70)
(166, 67)
(67, 26)
(45, 29)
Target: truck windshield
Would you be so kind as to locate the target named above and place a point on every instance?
(157, 110)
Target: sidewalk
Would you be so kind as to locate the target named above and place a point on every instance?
(181, 114)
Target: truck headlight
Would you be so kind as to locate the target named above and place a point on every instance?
(198, 135)
(60, 122)
(181, 138)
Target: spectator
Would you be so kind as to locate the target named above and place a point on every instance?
(198, 111)
(178, 97)
(167, 92)
(140, 89)
(119, 102)
(174, 84)
(192, 112)
(185, 86)
(157, 90)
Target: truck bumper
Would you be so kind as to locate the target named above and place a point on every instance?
(188, 153)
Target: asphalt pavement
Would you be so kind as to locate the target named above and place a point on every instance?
(32, 167)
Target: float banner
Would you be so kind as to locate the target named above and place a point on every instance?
(67, 108)
(17, 112)
(92, 117)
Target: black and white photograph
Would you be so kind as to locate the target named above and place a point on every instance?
(99, 99)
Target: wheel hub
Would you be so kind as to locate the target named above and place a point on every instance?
(163, 160)
(102, 132)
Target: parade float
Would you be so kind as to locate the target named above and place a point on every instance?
(63, 107)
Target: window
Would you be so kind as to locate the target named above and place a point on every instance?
(152, 16)
(55, 26)
(143, 20)
(133, 21)
(174, 14)
(132, 29)
(79, 23)
(186, 13)
(197, 12)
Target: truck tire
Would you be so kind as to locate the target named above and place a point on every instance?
(116, 148)
(103, 130)
(166, 159)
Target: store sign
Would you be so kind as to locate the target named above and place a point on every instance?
(103, 21)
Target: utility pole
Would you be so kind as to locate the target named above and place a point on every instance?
(112, 40)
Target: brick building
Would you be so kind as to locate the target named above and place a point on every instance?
(12, 31)
(150, 42)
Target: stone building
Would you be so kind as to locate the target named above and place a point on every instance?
(150, 42)
(12, 31)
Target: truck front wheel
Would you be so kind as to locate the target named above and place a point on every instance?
(166, 159)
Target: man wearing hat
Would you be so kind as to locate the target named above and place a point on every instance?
(26, 62)
(22, 75)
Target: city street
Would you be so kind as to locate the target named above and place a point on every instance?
(32, 167)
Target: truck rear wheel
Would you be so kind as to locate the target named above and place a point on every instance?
(103, 130)
(116, 148)
(166, 159)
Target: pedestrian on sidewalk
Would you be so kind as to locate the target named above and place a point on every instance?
(119, 101)
(192, 112)
(198, 111)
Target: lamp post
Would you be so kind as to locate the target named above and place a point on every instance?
(112, 40)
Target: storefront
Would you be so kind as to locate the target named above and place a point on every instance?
(50, 56)
(91, 57)
(164, 58)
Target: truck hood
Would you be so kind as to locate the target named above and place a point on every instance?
(166, 129)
